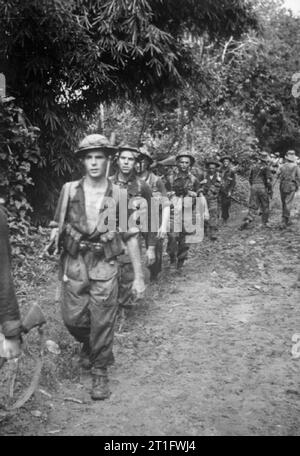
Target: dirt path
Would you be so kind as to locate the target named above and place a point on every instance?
(208, 354)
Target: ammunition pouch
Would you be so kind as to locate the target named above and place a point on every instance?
(107, 246)
(114, 247)
(70, 240)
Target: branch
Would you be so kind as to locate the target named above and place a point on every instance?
(225, 48)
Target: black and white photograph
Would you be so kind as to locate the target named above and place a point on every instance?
(149, 221)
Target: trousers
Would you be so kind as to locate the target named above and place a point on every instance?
(287, 199)
(224, 204)
(259, 200)
(89, 303)
(212, 223)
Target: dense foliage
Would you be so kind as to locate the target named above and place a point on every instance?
(62, 58)
(237, 100)
(19, 151)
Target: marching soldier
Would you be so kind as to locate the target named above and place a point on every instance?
(260, 192)
(228, 182)
(180, 183)
(160, 193)
(289, 181)
(126, 178)
(212, 185)
(9, 310)
(89, 260)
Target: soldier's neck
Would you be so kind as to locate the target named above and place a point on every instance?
(99, 182)
(125, 177)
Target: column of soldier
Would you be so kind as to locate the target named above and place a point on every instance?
(101, 269)
(102, 273)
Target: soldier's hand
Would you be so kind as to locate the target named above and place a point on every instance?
(150, 256)
(51, 247)
(12, 348)
(192, 194)
(138, 288)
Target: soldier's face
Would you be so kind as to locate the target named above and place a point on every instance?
(212, 168)
(226, 163)
(95, 164)
(184, 163)
(126, 162)
(143, 165)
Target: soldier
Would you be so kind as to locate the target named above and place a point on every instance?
(212, 184)
(260, 191)
(180, 183)
(228, 182)
(158, 191)
(127, 179)
(9, 310)
(89, 266)
(289, 178)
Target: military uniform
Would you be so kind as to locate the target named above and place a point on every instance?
(261, 185)
(289, 178)
(9, 309)
(211, 191)
(178, 184)
(158, 190)
(228, 182)
(89, 280)
(135, 188)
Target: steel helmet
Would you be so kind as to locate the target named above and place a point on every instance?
(94, 142)
(144, 152)
(183, 154)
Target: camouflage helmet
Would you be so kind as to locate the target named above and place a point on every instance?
(94, 142)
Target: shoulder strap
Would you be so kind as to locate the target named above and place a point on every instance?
(64, 207)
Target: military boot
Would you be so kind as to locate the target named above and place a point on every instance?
(100, 388)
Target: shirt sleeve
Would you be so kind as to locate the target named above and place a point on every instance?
(55, 220)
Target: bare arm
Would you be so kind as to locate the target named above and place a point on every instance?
(138, 286)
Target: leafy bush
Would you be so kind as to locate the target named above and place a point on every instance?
(18, 152)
